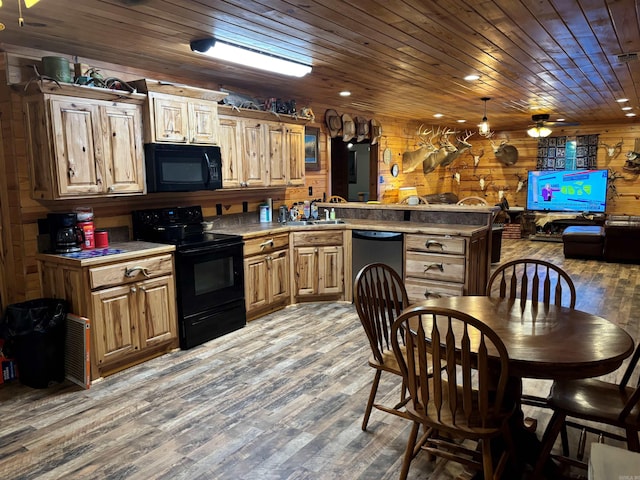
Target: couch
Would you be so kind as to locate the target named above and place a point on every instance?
(622, 239)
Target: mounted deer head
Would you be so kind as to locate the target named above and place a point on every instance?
(443, 148)
(411, 160)
(612, 151)
(507, 154)
(461, 146)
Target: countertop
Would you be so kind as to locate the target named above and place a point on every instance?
(129, 251)
(253, 230)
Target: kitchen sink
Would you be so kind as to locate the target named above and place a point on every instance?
(327, 222)
(298, 223)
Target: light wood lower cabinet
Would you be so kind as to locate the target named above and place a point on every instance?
(318, 265)
(443, 265)
(131, 306)
(266, 274)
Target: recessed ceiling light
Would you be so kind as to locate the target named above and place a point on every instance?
(627, 108)
(622, 100)
(345, 93)
(438, 115)
(559, 119)
(629, 114)
(472, 78)
(461, 121)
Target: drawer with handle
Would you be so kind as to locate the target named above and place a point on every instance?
(130, 271)
(435, 244)
(448, 268)
(265, 244)
(420, 290)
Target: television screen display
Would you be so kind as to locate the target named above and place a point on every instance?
(567, 190)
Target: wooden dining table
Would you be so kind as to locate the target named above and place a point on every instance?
(547, 342)
(544, 342)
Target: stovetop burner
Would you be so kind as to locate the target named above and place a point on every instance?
(180, 226)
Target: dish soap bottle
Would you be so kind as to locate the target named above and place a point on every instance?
(332, 214)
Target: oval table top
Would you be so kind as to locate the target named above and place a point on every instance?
(547, 342)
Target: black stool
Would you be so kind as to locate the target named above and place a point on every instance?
(584, 241)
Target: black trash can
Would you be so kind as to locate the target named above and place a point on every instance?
(34, 333)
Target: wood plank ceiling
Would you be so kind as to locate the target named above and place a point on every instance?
(399, 58)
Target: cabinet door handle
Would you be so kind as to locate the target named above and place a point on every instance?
(428, 294)
(431, 243)
(133, 271)
(111, 189)
(133, 290)
(439, 266)
(267, 243)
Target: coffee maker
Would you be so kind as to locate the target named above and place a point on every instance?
(65, 236)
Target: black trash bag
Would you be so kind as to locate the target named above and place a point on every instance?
(34, 333)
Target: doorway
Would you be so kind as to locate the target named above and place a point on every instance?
(354, 170)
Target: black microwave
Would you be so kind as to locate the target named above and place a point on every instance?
(182, 168)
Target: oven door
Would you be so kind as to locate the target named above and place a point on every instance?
(208, 277)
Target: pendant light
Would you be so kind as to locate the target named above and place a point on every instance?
(483, 128)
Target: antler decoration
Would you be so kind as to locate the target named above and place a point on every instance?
(612, 151)
(476, 157)
(522, 181)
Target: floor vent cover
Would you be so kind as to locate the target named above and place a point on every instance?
(76, 358)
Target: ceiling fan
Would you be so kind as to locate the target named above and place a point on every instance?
(541, 124)
(28, 4)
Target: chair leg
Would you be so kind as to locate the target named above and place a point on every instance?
(548, 440)
(372, 397)
(632, 440)
(487, 460)
(564, 436)
(409, 452)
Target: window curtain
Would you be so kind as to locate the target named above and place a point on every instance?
(554, 153)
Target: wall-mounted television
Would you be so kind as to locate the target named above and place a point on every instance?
(567, 191)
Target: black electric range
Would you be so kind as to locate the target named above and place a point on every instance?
(209, 271)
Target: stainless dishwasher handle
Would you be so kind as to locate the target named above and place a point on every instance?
(431, 243)
(439, 266)
(133, 271)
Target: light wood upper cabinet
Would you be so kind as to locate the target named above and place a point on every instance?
(174, 119)
(254, 159)
(83, 147)
(295, 155)
(231, 151)
(259, 153)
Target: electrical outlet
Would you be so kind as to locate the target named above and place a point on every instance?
(381, 179)
(310, 191)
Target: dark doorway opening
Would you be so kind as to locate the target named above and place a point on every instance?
(343, 169)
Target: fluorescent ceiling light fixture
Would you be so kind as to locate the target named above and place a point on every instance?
(248, 57)
(345, 93)
(536, 132)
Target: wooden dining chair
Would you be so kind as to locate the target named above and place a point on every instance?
(472, 201)
(532, 279)
(380, 296)
(536, 280)
(466, 400)
(337, 199)
(593, 400)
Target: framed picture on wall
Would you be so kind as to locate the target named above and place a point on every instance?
(311, 158)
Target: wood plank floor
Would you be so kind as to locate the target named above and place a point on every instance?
(282, 398)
